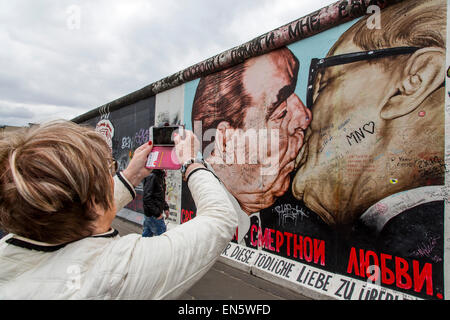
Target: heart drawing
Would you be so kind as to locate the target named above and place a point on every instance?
(369, 127)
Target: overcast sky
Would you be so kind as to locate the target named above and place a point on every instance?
(60, 59)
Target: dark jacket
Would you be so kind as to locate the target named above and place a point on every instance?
(155, 194)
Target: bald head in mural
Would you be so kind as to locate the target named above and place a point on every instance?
(253, 103)
(377, 101)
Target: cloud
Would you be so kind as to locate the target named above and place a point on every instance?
(8, 110)
(18, 114)
(51, 65)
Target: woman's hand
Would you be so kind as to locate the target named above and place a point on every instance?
(136, 170)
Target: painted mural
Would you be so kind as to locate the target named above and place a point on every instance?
(333, 147)
(330, 135)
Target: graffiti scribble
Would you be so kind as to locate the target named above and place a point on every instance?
(425, 249)
(286, 211)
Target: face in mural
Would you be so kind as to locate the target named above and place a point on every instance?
(273, 119)
(369, 128)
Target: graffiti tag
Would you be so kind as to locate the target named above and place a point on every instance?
(127, 143)
(360, 134)
(286, 211)
(141, 137)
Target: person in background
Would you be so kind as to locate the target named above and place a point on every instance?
(58, 197)
(155, 203)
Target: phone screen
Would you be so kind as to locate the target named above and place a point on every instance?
(162, 136)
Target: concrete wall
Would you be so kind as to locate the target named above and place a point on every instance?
(338, 164)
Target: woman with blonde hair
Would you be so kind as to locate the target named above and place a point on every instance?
(58, 196)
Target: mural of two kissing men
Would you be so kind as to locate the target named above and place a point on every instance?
(359, 133)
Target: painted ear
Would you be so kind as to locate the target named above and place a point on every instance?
(424, 73)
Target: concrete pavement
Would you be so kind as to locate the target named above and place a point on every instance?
(223, 282)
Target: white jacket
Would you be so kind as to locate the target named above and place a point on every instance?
(108, 266)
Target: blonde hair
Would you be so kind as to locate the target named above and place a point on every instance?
(51, 177)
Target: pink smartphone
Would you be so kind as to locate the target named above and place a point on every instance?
(163, 152)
